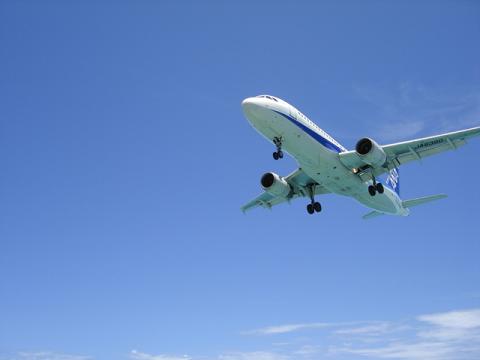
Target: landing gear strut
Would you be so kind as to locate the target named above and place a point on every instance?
(314, 206)
(376, 187)
(278, 143)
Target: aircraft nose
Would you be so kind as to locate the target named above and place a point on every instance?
(250, 109)
(248, 103)
(251, 105)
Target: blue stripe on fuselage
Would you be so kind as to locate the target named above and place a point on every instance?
(329, 145)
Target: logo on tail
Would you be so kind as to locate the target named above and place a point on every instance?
(393, 180)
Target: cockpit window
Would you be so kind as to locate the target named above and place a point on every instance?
(268, 97)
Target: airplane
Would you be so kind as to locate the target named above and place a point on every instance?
(325, 166)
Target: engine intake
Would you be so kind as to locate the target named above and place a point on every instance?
(370, 152)
(275, 185)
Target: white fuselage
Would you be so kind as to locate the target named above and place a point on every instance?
(316, 152)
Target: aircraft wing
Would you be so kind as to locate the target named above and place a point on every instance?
(298, 180)
(406, 151)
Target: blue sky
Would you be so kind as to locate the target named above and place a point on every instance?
(125, 157)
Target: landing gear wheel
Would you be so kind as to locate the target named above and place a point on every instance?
(310, 209)
(371, 190)
(314, 206)
(380, 188)
(278, 143)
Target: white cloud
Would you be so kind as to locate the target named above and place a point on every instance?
(450, 335)
(409, 109)
(282, 329)
(406, 351)
(373, 329)
(49, 355)
(137, 355)
(453, 335)
(255, 355)
(452, 326)
(401, 130)
(307, 351)
(465, 319)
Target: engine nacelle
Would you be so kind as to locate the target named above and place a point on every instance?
(370, 152)
(275, 185)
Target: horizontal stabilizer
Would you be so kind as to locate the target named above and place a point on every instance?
(372, 214)
(422, 200)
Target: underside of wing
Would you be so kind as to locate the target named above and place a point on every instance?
(265, 200)
(394, 155)
(407, 151)
(299, 183)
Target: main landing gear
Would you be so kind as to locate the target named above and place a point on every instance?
(278, 143)
(314, 206)
(376, 187)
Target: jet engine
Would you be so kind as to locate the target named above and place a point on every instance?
(370, 152)
(275, 185)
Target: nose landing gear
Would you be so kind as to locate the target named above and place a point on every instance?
(278, 143)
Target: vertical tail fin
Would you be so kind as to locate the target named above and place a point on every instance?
(393, 180)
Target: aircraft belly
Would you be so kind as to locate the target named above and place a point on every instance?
(382, 202)
(320, 163)
(298, 144)
(324, 167)
(265, 128)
